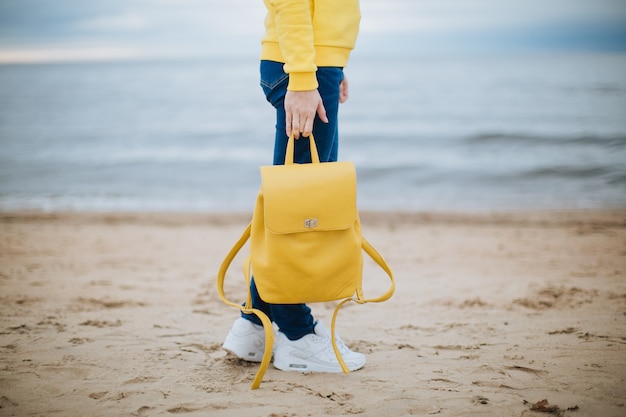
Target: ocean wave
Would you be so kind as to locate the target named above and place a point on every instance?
(610, 141)
(568, 172)
(154, 154)
(617, 179)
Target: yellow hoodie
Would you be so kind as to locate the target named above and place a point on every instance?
(305, 34)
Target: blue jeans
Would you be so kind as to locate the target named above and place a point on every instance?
(295, 320)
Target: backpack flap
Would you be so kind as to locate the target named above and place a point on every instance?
(302, 198)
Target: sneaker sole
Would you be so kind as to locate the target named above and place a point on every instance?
(245, 357)
(296, 365)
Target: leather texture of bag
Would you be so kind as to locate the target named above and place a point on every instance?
(305, 241)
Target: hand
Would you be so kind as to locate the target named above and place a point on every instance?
(343, 90)
(300, 110)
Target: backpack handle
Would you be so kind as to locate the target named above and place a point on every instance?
(315, 157)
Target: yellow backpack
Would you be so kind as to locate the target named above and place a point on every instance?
(305, 242)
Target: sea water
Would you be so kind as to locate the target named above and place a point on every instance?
(443, 133)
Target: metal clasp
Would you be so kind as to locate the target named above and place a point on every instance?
(310, 223)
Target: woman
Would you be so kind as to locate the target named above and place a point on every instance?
(306, 45)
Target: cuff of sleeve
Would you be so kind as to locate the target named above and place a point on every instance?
(302, 81)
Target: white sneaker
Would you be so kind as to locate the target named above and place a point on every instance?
(245, 340)
(314, 353)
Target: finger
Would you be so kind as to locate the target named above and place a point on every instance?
(307, 127)
(343, 90)
(321, 112)
(288, 123)
(295, 127)
(292, 125)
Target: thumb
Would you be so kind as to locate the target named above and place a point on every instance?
(321, 112)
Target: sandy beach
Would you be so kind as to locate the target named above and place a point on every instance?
(117, 315)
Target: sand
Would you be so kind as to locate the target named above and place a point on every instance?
(117, 315)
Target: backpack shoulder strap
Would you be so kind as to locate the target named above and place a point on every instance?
(377, 257)
(221, 274)
(373, 253)
(247, 307)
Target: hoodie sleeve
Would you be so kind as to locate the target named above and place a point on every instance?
(294, 26)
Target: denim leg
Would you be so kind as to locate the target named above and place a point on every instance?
(259, 304)
(295, 320)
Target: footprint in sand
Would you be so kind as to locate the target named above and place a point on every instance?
(6, 402)
(99, 323)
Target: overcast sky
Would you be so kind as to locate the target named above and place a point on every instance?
(113, 29)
